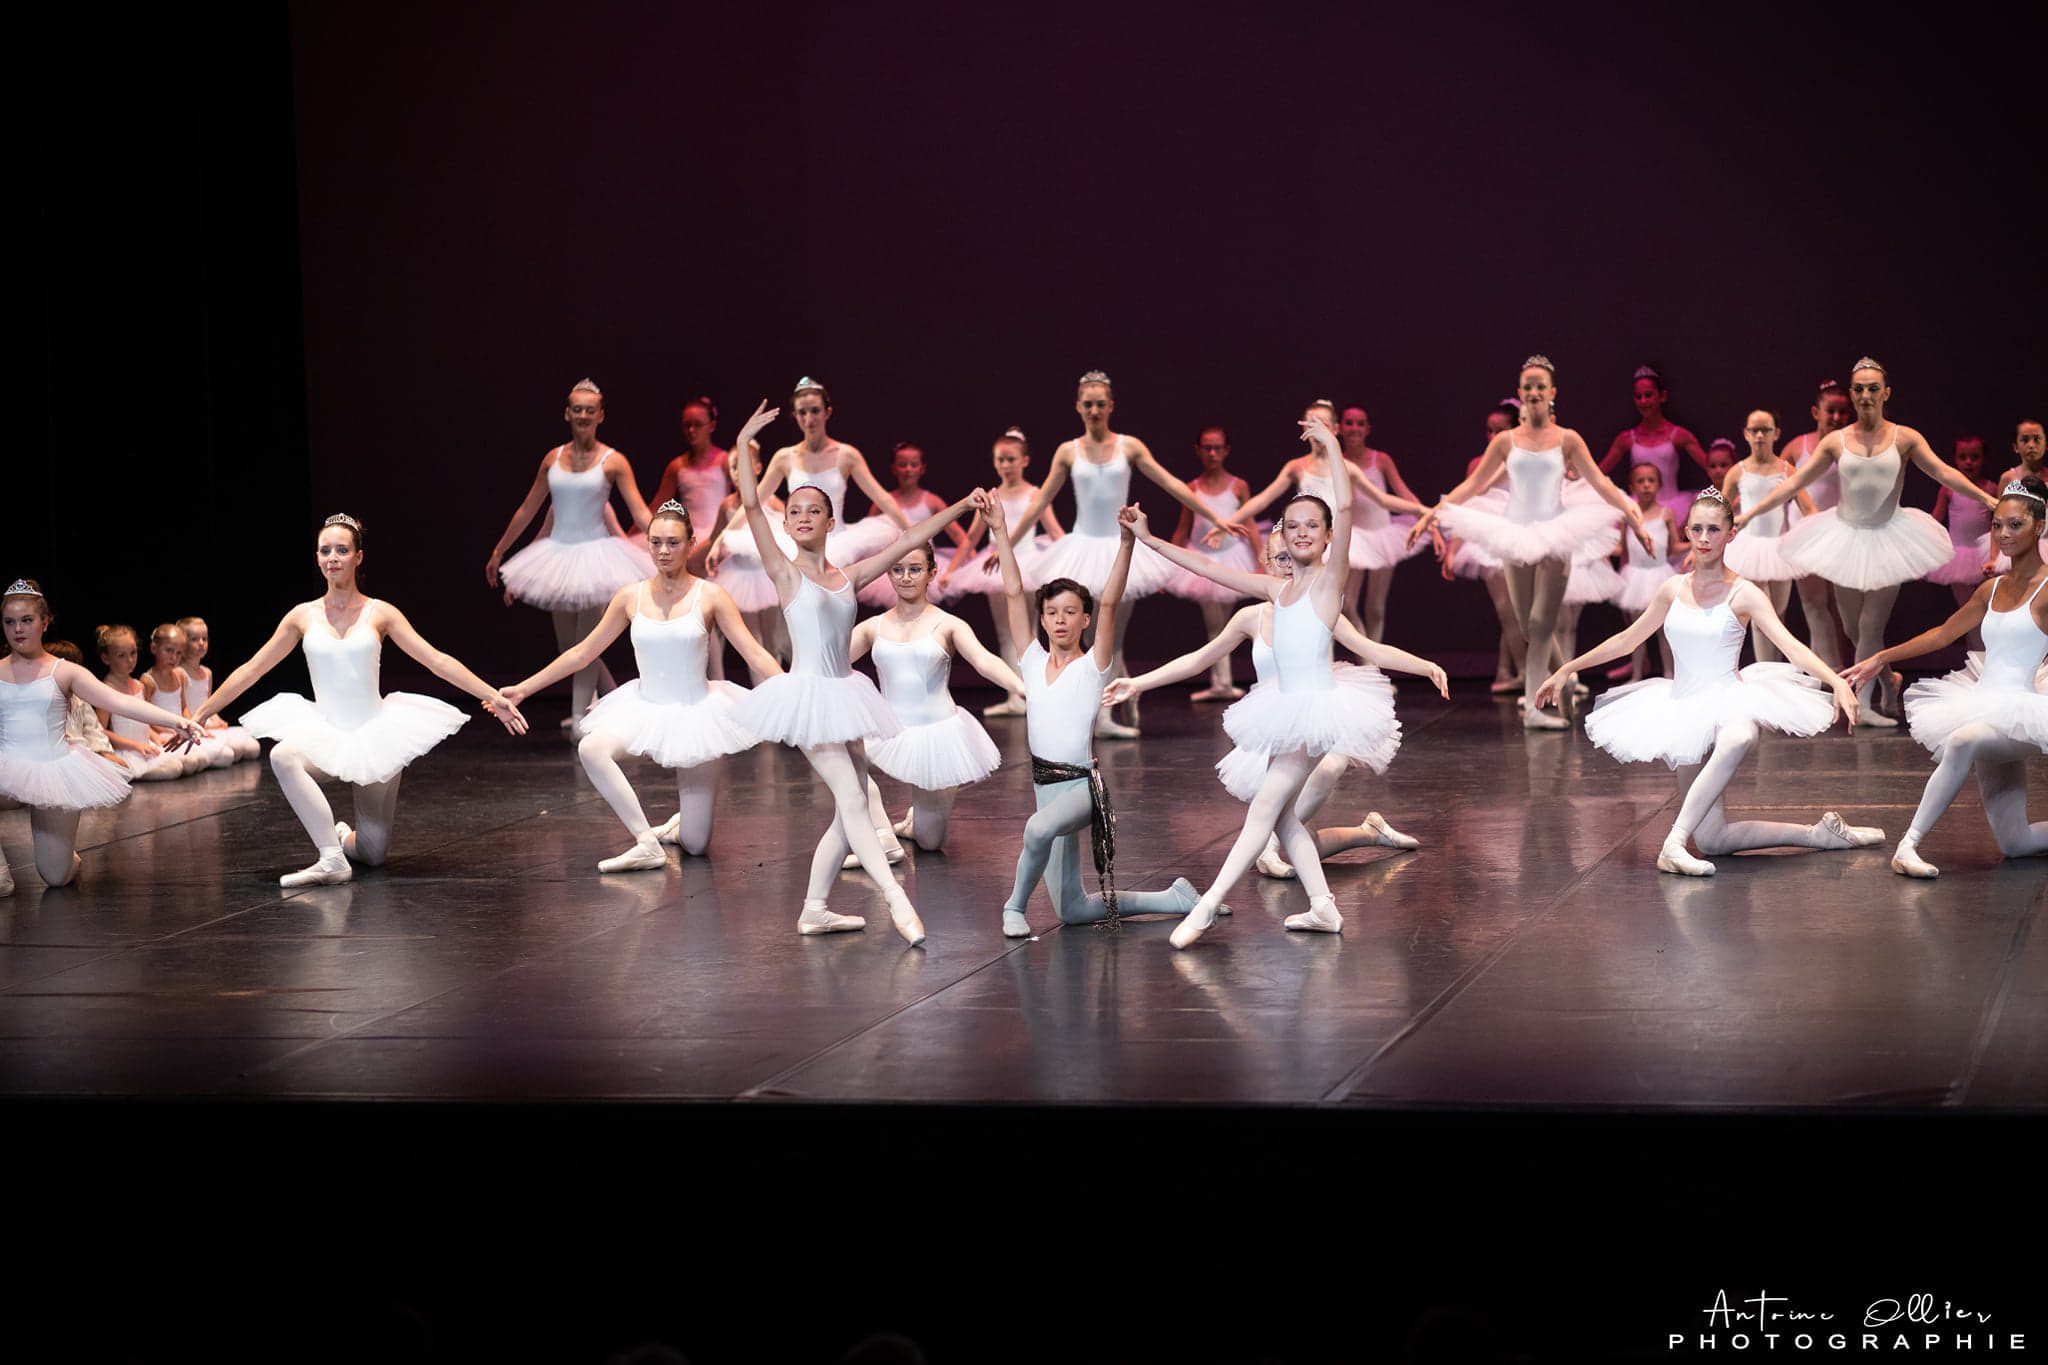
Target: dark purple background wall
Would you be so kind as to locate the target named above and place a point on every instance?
(947, 214)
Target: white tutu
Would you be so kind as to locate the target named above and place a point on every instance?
(1760, 559)
(1087, 560)
(574, 576)
(77, 780)
(1966, 565)
(1592, 580)
(848, 545)
(1639, 583)
(975, 576)
(673, 734)
(740, 572)
(1232, 554)
(946, 753)
(406, 725)
(1911, 545)
(1354, 718)
(805, 709)
(1577, 532)
(1652, 720)
(1938, 707)
(1384, 546)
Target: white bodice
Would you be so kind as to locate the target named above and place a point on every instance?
(1870, 485)
(2013, 647)
(1369, 515)
(32, 719)
(913, 674)
(1706, 642)
(820, 627)
(1100, 492)
(1263, 667)
(1660, 536)
(1754, 488)
(344, 668)
(671, 654)
(1301, 647)
(1535, 484)
(578, 499)
(1059, 716)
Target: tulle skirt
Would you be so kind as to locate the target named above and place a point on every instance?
(740, 572)
(1592, 580)
(1966, 565)
(1578, 532)
(975, 575)
(1653, 720)
(673, 734)
(1759, 558)
(559, 576)
(806, 709)
(76, 779)
(1232, 554)
(1863, 558)
(848, 545)
(406, 725)
(945, 753)
(1383, 547)
(1938, 707)
(1087, 560)
(1354, 717)
(1639, 583)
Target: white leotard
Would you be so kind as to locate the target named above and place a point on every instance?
(2013, 646)
(914, 676)
(1660, 536)
(1871, 484)
(1754, 488)
(820, 625)
(578, 499)
(32, 719)
(1100, 492)
(671, 654)
(1535, 484)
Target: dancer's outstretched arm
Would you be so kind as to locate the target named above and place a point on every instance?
(521, 518)
(1257, 585)
(1965, 619)
(617, 616)
(1240, 628)
(275, 651)
(1055, 480)
(1388, 657)
(1754, 604)
(864, 478)
(1146, 463)
(725, 614)
(448, 668)
(877, 564)
(1490, 466)
(961, 641)
(1013, 578)
(779, 567)
(1581, 459)
(620, 473)
(1914, 447)
(73, 680)
(1823, 457)
(1619, 645)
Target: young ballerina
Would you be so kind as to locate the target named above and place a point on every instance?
(980, 573)
(1969, 528)
(733, 561)
(1711, 712)
(1755, 553)
(1242, 771)
(1831, 411)
(54, 779)
(1655, 439)
(199, 686)
(1722, 456)
(2030, 449)
(1310, 709)
(941, 748)
(1456, 560)
(1216, 485)
(82, 726)
(819, 461)
(573, 570)
(1100, 462)
(673, 713)
(821, 705)
(170, 687)
(917, 502)
(1536, 536)
(697, 478)
(349, 732)
(1868, 545)
(1377, 538)
(141, 746)
(1993, 715)
(1644, 570)
(1064, 675)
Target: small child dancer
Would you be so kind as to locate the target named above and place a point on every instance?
(140, 745)
(199, 686)
(981, 573)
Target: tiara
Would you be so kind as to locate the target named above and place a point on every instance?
(2015, 489)
(1830, 386)
(807, 384)
(343, 519)
(1541, 362)
(1642, 372)
(1015, 434)
(1722, 443)
(21, 587)
(1094, 377)
(1867, 363)
(586, 385)
(1711, 492)
(673, 506)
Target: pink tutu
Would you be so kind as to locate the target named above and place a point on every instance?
(1232, 554)
(1966, 565)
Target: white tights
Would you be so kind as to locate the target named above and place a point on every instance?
(844, 770)
(1215, 616)
(1700, 815)
(2001, 780)
(1275, 810)
(1054, 845)
(1780, 593)
(931, 814)
(1512, 645)
(55, 835)
(1537, 593)
(376, 806)
(1009, 649)
(1865, 615)
(695, 788)
(1820, 620)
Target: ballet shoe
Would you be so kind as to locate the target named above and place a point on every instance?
(1108, 728)
(1907, 862)
(1012, 707)
(1839, 833)
(331, 870)
(1386, 835)
(77, 866)
(1543, 720)
(1217, 694)
(816, 919)
(906, 828)
(1271, 864)
(1871, 716)
(893, 851)
(1502, 686)
(1015, 925)
(6, 880)
(1321, 917)
(1184, 891)
(1192, 926)
(1674, 859)
(644, 854)
(669, 831)
(903, 915)
(342, 833)
(568, 722)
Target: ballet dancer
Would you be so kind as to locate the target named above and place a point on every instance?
(1309, 709)
(1755, 553)
(1216, 485)
(1644, 571)
(1655, 439)
(1722, 456)
(818, 461)
(1378, 538)
(199, 686)
(140, 746)
(732, 560)
(674, 713)
(941, 748)
(573, 570)
(82, 727)
(1993, 715)
(169, 687)
(1064, 675)
(2029, 449)
(38, 768)
(1455, 561)
(1868, 545)
(1969, 528)
(1711, 712)
(821, 705)
(1831, 411)
(348, 732)
(917, 502)
(1100, 462)
(980, 572)
(697, 478)
(1242, 772)
(1536, 536)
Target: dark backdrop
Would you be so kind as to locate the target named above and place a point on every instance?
(947, 214)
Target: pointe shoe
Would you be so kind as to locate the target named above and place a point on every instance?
(1193, 926)
(1011, 707)
(1907, 862)
(1015, 925)
(816, 919)
(1321, 917)
(669, 831)
(1217, 694)
(331, 870)
(342, 834)
(903, 915)
(1543, 720)
(1386, 834)
(644, 854)
(906, 828)
(1674, 859)
(1108, 728)
(891, 850)
(1271, 864)
(1568, 698)
(1839, 833)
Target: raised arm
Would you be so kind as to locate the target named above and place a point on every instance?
(1006, 563)
(1113, 592)
(1617, 646)
(1966, 618)
(522, 516)
(1581, 459)
(877, 564)
(1752, 602)
(1143, 461)
(858, 472)
(1235, 632)
(779, 567)
(1055, 480)
(275, 651)
(579, 655)
(955, 634)
(620, 472)
(446, 667)
(75, 681)
(1940, 470)
(1256, 585)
